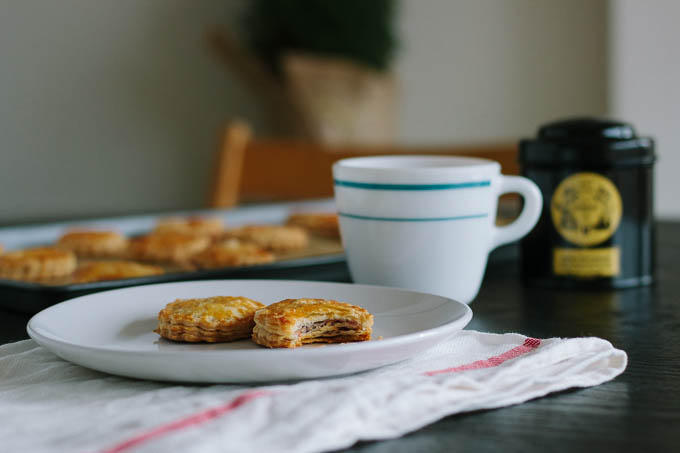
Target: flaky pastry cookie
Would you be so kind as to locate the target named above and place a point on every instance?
(294, 322)
(278, 238)
(319, 223)
(95, 244)
(212, 320)
(202, 226)
(113, 270)
(232, 252)
(37, 264)
(170, 247)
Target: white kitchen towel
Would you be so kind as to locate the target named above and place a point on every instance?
(47, 404)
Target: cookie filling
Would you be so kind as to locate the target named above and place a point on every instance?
(328, 327)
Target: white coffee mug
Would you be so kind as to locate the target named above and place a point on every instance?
(426, 223)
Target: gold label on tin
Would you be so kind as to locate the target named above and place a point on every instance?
(599, 262)
(586, 209)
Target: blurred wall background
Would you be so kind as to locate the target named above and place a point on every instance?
(644, 75)
(111, 107)
(115, 107)
(489, 70)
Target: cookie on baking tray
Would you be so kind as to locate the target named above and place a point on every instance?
(37, 263)
(94, 243)
(212, 319)
(113, 270)
(202, 226)
(230, 253)
(294, 322)
(277, 238)
(320, 223)
(169, 247)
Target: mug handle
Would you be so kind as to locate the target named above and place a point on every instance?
(533, 204)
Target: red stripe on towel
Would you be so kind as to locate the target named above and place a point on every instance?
(192, 420)
(529, 345)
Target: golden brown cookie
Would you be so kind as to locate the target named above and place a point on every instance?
(230, 253)
(202, 226)
(37, 264)
(113, 270)
(278, 238)
(213, 319)
(95, 244)
(170, 247)
(320, 223)
(294, 322)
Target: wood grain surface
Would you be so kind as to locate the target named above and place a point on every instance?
(638, 411)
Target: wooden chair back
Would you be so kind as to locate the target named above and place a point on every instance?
(250, 170)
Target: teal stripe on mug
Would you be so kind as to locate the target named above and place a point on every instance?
(413, 219)
(375, 186)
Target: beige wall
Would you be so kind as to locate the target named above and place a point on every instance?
(644, 75)
(488, 70)
(112, 107)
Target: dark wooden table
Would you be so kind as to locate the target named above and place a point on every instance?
(638, 411)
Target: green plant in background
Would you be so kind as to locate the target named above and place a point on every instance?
(359, 30)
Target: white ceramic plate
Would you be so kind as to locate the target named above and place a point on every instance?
(112, 331)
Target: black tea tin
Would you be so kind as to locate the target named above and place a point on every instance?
(596, 228)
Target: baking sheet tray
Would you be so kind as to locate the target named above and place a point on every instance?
(322, 261)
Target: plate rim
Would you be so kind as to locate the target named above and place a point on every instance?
(35, 331)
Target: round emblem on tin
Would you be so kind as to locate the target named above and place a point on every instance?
(586, 208)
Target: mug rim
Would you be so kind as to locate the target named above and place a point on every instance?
(436, 163)
(418, 169)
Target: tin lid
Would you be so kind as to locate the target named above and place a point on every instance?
(587, 141)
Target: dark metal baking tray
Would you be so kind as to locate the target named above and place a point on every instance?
(28, 297)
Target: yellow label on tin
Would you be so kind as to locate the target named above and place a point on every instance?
(586, 209)
(600, 262)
